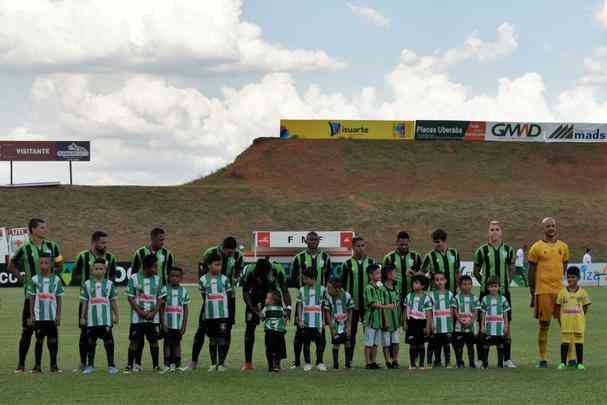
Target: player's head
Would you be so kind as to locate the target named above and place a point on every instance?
(495, 232)
(312, 240)
(229, 246)
(214, 262)
(440, 281)
(492, 286)
(99, 268)
(374, 272)
(273, 297)
(402, 242)
(466, 284)
(175, 276)
(38, 227)
(588, 250)
(359, 246)
(99, 241)
(439, 238)
(263, 267)
(45, 263)
(388, 273)
(157, 236)
(419, 282)
(309, 278)
(334, 285)
(149, 265)
(573, 276)
(549, 225)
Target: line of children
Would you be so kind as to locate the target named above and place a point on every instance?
(309, 312)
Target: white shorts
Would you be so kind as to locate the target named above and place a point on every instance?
(372, 337)
(391, 338)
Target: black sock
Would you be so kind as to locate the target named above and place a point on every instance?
(177, 361)
(83, 346)
(470, 355)
(564, 351)
(197, 345)
(458, 348)
(91, 354)
(131, 357)
(155, 352)
(139, 353)
(429, 353)
(507, 349)
(320, 351)
(109, 352)
(38, 352)
(306, 353)
(248, 350)
(297, 347)
(412, 356)
(579, 352)
(421, 352)
(349, 353)
(447, 350)
(500, 356)
(167, 353)
(223, 353)
(53, 348)
(485, 356)
(336, 358)
(24, 345)
(213, 353)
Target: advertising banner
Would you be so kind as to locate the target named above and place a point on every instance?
(578, 132)
(450, 130)
(297, 239)
(346, 129)
(3, 246)
(16, 237)
(45, 151)
(518, 131)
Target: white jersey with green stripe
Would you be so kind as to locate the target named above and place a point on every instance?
(312, 301)
(45, 291)
(467, 306)
(495, 310)
(147, 293)
(417, 305)
(176, 300)
(215, 291)
(442, 311)
(339, 306)
(273, 317)
(99, 296)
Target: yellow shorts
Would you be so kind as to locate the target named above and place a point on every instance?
(545, 307)
(572, 338)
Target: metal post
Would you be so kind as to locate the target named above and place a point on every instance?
(71, 181)
(11, 172)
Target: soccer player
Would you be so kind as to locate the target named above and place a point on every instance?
(548, 259)
(311, 301)
(374, 322)
(494, 323)
(257, 280)
(392, 317)
(273, 315)
(174, 315)
(354, 279)
(406, 262)
(495, 259)
(164, 257)
(443, 259)
(216, 291)
(98, 314)
(443, 304)
(418, 322)
(45, 291)
(82, 273)
(315, 260)
(466, 309)
(572, 305)
(145, 293)
(27, 260)
(339, 318)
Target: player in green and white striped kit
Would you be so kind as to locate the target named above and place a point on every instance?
(418, 310)
(311, 301)
(273, 316)
(466, 308)
(374, 323)
(494, 322)
(392, 317)
(98, 314)
(339, 318)
(174, 318)
(45, 291)
(442, 322)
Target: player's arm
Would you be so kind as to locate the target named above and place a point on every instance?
(78, 269)
(328, 268)
(186, 313)
(349, 323)
(329, 321)
(426, 266)
(115, 316)
(482, 326)
(58, 317)
(531, 277)
(136, 308)
(111, 271)
(32, 300)
(506, 326)
(458, 268)
(477, 272)
(429, 316)
(13, 262)
(84, 304)
(136, 264)
(298, 309)
(58, 262)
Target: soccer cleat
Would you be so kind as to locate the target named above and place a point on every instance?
(212, 369)
(247, 367)
(561, 366)
(375, 366)
(173, 368)
(307, 367)
(580, 366)
(88, 370)
(389, 365)
(127, 370)
(36, 370)
(221, 368)
(164, 370)
(112, 370)
(542, 364)
(137, 368)
(56, 370)
(459, 365)
(295, 366)
(395, 365)
(321, 367)
(509, 364)
(78, 370)
(478, 363)
(19, 370)
(412, 368)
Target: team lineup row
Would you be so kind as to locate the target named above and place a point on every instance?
(384, 298)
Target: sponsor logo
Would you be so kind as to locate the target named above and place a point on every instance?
(475, 131)
(46, 296)
(338, 129)
(399, 129)
(215, 297)
(284, 132)
(99, 300)
(442, 312)
(73, 150)
(525, 130)
(563, 131)
(7, 279)
(312, 309)
(172, 309)
(494, 318)
(589, 135)
(33, 151)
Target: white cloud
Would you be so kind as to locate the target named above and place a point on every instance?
(369, 14)
(601, 14)
(142, 35)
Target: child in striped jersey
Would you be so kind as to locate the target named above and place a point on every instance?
(174, 316)
(274, 325)
(494, 323)
(99, 313)
(466, 308)
(442, 322)
(311, 301)
(45, 291)
(392, 317)
(339, 317)
(374, 320)
(418, 320)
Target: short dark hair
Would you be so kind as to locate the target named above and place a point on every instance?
(44, 255)
(34, 222)
(385, 270)
(439, 234)
(310, 274)
(149, 261)
(312, 233)
(421, 278)
(402, 235)
(263, 265)
(465, 277)
(372, 268)
(357, 239)
(213, 257)
(100, 261)
(491, 281)
(98, 235)
(156, 232)
(573, 271)
(176, 269)
(229, 243)
(276, 296)
(436, 274)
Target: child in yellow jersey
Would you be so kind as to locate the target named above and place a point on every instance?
(572, 305)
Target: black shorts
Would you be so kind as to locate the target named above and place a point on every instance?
(25, 314)
(275, 344)
(216, 328)
(251, 317)
(46, 329)
(441, 338)
(506, 294)
(151, 331)
(172, 336)
(415, 332)
(487, 340)
(463, 338)
(232, 310)
(341, 339)
(98, 332)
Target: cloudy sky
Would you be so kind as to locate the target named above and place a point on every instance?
(168, 91)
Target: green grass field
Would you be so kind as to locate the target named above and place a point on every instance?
(523, 385)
